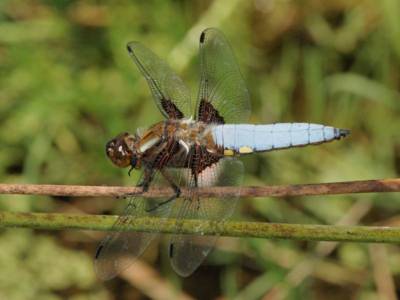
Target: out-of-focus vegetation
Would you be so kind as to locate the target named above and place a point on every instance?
(67, 85)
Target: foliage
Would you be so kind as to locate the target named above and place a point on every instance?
(68, 85)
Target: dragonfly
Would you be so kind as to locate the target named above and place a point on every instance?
(194, 146)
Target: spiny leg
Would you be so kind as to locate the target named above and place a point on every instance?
(147, 179)
(194, 182)
(176, 189)
(144, 183)
(196, 185)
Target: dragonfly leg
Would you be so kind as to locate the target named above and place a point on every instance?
(158, 205)
(173, 185)
(147, 179)
(130, 170)
(196, 185)
(144, 183)
(176, 189)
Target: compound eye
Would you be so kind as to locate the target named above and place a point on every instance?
(110, 147)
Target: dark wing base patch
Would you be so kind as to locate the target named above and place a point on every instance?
(208, 114)
(170, 108)
(202, 159)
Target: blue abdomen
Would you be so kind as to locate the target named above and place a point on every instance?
(246, 138)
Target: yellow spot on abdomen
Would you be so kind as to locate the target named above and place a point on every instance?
(228, 152)
(245, 150)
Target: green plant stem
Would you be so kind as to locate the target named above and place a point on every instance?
(52, 221)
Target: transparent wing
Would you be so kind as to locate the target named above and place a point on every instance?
(187, 252)
(169, 92)
(223, 96)
(120, 249)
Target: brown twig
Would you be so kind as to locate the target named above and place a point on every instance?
(334, 188)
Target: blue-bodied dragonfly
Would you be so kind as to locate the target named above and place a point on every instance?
(195, 146)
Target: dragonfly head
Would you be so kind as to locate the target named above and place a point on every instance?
(121, 150)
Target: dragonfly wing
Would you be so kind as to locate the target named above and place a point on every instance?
(223, 96)
(169, 92)
(187, 252)
(120, 249)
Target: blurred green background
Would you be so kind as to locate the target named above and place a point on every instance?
(67, 85)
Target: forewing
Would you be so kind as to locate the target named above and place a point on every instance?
(169, 92)
(121, 248)
(187, 252)
(223, 96)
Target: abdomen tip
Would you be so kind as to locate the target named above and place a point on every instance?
(343, 133)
